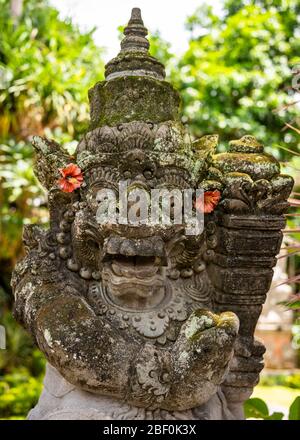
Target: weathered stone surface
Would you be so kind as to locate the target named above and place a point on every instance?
(62, 401)
(147, 321)
(132, 98)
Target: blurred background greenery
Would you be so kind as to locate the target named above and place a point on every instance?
(237, 76)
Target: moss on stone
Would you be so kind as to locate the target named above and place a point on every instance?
(257, 166)
(133, 98)
(135, 60)
(199, 321)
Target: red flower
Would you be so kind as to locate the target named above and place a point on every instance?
(208, 202)
(72, 178)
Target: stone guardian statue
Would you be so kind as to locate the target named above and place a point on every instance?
(145, 321)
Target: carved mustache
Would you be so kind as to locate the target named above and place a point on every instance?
(142, 247)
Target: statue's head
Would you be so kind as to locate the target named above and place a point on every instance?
(130, 228)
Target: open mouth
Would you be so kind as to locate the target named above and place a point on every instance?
(137, 266)
(133, 270)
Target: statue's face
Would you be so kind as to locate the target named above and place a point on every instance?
(137, 262)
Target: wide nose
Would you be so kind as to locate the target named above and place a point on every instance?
(138, 180)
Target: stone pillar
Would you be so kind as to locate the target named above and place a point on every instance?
(243, 238)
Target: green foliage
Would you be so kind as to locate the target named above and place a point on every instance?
(19, 392)
(21, 197)
(46, 68)
(22, 368)
(286, 380)
(294, 413)
(236, 72)
(257, 409)
(20, 352)
(161, 50)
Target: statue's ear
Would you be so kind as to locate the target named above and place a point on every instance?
(203, 149)
(49, 158)
(59, 203)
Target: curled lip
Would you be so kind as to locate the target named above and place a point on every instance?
(124, 278)
(137, 276)
(131, 281)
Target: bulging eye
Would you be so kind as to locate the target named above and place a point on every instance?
(148, 173)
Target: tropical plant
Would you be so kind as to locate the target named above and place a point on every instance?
(257, 409)
(238, 66)
(19, 392)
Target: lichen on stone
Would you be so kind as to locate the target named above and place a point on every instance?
(197, 324)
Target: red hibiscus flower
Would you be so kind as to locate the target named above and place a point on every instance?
(208, 202)
(72, 178)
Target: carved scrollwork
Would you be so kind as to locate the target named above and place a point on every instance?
(151, 383)
(242, 195)
(157, 324)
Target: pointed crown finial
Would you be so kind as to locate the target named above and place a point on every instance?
(135, 33)
(134, 58)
